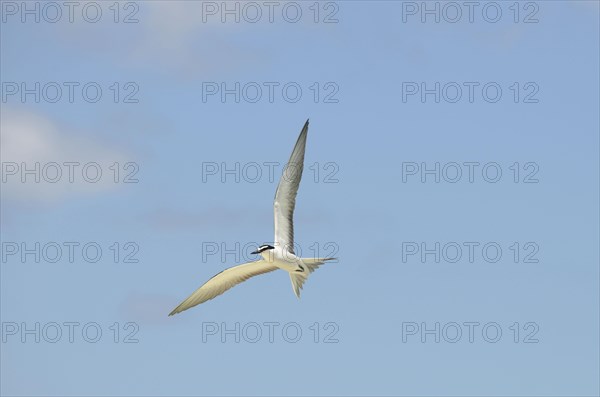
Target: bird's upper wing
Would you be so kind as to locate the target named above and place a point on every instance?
(285, 196)
(224, 281)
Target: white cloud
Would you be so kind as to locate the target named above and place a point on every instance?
(175, 36)
(31, 141)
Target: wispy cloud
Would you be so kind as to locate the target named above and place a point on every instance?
(43, 160)
(175, 36)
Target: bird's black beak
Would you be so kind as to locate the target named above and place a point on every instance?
(253, 253)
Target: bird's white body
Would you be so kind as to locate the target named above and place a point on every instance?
(283, 259)
(282, 255)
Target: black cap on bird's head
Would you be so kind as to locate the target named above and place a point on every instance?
(262, 248)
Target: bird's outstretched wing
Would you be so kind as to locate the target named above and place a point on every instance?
(285, 196)
(223, 281)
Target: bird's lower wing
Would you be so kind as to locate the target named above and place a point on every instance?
(223, 281)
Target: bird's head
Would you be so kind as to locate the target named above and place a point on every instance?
(263, 248)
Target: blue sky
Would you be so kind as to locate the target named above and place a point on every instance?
(376, 309)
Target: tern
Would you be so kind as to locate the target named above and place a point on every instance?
(281, 255)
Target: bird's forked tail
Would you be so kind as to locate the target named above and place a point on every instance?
(298, 278)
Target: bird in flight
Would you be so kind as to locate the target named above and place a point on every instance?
(281, 255)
